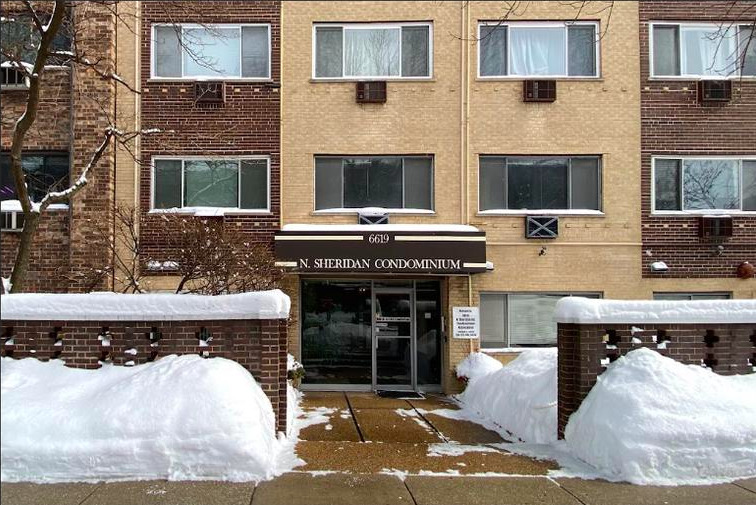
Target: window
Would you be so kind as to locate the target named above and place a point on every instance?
(393, 182)
(219, 182)
(702, 50)
(211, 51)
(703, 184)
(368, 50)
(692, 296)
(45, 172)
(557, 49)
(513, 320)
(20, 39)
(539, 182)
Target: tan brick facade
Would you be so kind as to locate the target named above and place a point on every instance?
(456, 117)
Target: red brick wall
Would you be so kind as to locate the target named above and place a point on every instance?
(257, 345)
(75, 109)
(725, 348)
(673, 123)
(247, 124)
(49, 259)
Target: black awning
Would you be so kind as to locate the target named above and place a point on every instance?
(382, 249)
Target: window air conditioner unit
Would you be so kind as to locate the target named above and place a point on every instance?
(715, 227)
(209, 92)
(541, 226)
(714, 91)
(373, 218)
(12, 79)
(539, 91)
(12, 221)
(371, 92)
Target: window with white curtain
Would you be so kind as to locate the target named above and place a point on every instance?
(212, 182)
(702, 50)
(372, 50)
(703, 184)
(542, 49)
(220, 51)
(520, 319)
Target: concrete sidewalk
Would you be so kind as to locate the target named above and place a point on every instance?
(372, 451)
(355, 489)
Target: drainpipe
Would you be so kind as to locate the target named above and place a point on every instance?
(463, 107)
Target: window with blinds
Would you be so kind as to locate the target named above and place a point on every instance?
(520, 319)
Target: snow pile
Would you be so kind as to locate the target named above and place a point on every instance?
(519, 398)
(651, 420)
(272, 304)
(574, 309)
(179, 418)
(476, 365)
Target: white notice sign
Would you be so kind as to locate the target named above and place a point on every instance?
(466, 322)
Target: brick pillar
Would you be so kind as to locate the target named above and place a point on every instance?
(273, 366)
(93, 105)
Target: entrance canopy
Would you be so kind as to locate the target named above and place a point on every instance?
(382, 248)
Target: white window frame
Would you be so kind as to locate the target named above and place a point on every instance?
(208, 77)
(541, 24)
(183, 208)
(546, 212)
(355, 210)
(691, 294)
(697, 212)
(369, 26)
(699, 24)
(508, 320)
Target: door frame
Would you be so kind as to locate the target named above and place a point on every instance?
(410, 292)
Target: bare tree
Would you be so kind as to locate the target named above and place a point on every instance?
(30, 44)
(207, 255)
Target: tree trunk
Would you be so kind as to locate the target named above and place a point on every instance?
(21, 265)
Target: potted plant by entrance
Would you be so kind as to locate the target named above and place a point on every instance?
(295, 371)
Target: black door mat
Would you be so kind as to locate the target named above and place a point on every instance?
(403, 395)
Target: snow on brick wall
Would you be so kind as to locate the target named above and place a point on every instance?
(578, 310)
(272, 304)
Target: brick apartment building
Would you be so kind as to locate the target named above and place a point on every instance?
(215, 98)
(698, 147)
(76, 106)
(513, 170)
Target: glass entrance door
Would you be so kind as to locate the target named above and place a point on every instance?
(393, 339)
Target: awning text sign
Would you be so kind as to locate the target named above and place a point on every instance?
(384, 252)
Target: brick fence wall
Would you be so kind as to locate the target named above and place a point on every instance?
(257, 345)
(585, 349)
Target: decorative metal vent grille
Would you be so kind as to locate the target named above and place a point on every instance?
(209, 93)
(715, 227)
(539, 91)
(372, 218)
(541, 227)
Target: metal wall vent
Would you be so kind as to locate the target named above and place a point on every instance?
(541, 226)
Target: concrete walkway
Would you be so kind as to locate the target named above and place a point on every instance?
(372, 451)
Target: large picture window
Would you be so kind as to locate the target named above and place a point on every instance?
(520, 320)
(370, 50)
(45, 172)
(222, 183)
(704, 184)
(549, 49)
(539, 183)
(211, 51)
(702, 50)
(392, 182)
